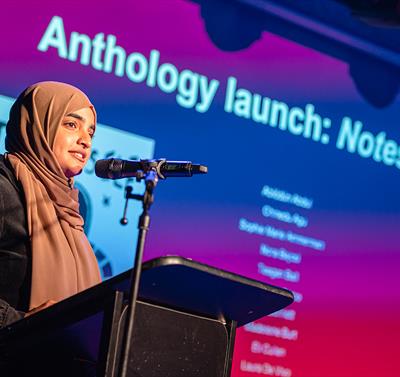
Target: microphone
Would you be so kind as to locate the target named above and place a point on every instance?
(115, 168)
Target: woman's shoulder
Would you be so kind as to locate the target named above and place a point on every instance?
(7, 176)
(12, 202)
(11, 193)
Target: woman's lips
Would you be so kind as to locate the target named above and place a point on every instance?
(81, 156)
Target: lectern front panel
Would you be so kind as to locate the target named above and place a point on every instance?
(170, 343)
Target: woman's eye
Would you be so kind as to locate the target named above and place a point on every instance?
(70, 124)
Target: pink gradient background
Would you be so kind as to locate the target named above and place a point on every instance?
(348, 321)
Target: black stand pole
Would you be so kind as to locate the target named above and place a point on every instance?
(151, 179)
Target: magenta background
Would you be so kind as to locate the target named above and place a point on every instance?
(348, 321)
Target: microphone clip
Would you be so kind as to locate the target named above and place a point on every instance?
(151, 167)
(151, 179)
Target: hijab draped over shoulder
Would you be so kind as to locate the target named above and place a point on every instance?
(63, 262)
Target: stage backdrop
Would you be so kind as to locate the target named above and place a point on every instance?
(304, 173)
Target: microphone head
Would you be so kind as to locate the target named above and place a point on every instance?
(101, 168)
(109, 168)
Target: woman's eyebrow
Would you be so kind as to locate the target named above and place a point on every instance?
(77, 116)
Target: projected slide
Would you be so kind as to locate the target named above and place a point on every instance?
(304, 171)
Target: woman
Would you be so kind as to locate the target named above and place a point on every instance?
(44, 255)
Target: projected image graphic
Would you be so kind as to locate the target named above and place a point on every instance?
(303, 160)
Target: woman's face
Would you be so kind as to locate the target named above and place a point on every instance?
(73, 141)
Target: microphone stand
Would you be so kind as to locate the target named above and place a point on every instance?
(151, 178)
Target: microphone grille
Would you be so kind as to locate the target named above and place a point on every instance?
(108, 168)
(101, 168)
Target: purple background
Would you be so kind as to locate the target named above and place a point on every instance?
(348, 319)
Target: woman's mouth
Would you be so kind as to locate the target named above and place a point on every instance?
(79, 156)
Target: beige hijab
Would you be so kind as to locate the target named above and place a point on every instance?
(63, 262)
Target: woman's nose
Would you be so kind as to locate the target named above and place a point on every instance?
(85, 140)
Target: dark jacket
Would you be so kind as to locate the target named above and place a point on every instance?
(15, 250)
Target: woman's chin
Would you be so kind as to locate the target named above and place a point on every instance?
(70, 173)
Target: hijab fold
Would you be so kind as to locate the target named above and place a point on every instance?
(63, 262)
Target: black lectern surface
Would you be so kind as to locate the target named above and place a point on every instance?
(187, 316)
(185, 284)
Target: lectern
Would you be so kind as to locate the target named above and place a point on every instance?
(186, 319)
